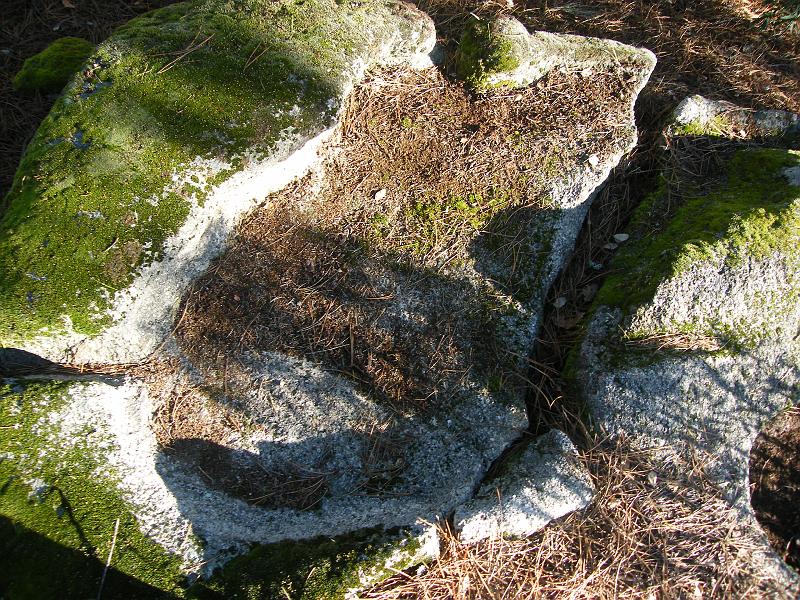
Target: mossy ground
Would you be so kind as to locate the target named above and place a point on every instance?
(94, 197)
(51, 69)
(55, 542)
(753, 213)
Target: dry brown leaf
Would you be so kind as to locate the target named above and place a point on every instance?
(569, 321)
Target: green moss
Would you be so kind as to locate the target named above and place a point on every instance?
(54, 543)
(716, 126)
(54, 540)
(433, 219)
(481, 54)
(50, 70)
(313, 569)
(97, 179)
(754, 214)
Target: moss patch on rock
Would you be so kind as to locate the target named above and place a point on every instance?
(58, 512)
(51, 69)
(482, 53)
(312, 569)
(753, 214)
(174, 103)
(715, 126)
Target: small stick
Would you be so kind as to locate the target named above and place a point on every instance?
(352, 347)
(172, 63)
(108, 562)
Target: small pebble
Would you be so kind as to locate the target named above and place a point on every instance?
(560, 302)
(595, 265)
(610, 246)
(594, 160)
(621, 237)
(652, 478)
(380, 194)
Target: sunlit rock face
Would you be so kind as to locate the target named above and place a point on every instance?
(693, 343)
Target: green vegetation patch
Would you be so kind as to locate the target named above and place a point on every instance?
(309, 570)
(755, 213)
(482, 54)
(717, 126)
(51, 69)
(435, 221)
(109, 177)
(57, 513)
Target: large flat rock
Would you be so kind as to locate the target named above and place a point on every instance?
(345, 358)
(693, 344)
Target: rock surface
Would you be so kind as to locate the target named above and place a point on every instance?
(693, 344)
(173, 129)
(149, 185)
(544, 483)
(697, 115)
(502, 53)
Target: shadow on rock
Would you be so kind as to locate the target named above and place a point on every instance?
(34, 567)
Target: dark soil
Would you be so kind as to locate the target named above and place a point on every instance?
(775, 484)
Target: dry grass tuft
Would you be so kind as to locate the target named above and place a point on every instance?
(653, 531)
(681, 342)
(201, 433)
(383, 458)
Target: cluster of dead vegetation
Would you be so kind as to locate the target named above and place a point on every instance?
(371, 269)
(654, 530)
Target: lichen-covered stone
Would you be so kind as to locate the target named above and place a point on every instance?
(501, 53)
(59, 501)
(61, 507)
(544, 482)
(700, 116)
(322, 568)
(175, 126)
(726, 264)
(51, 69)
(693, 344)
